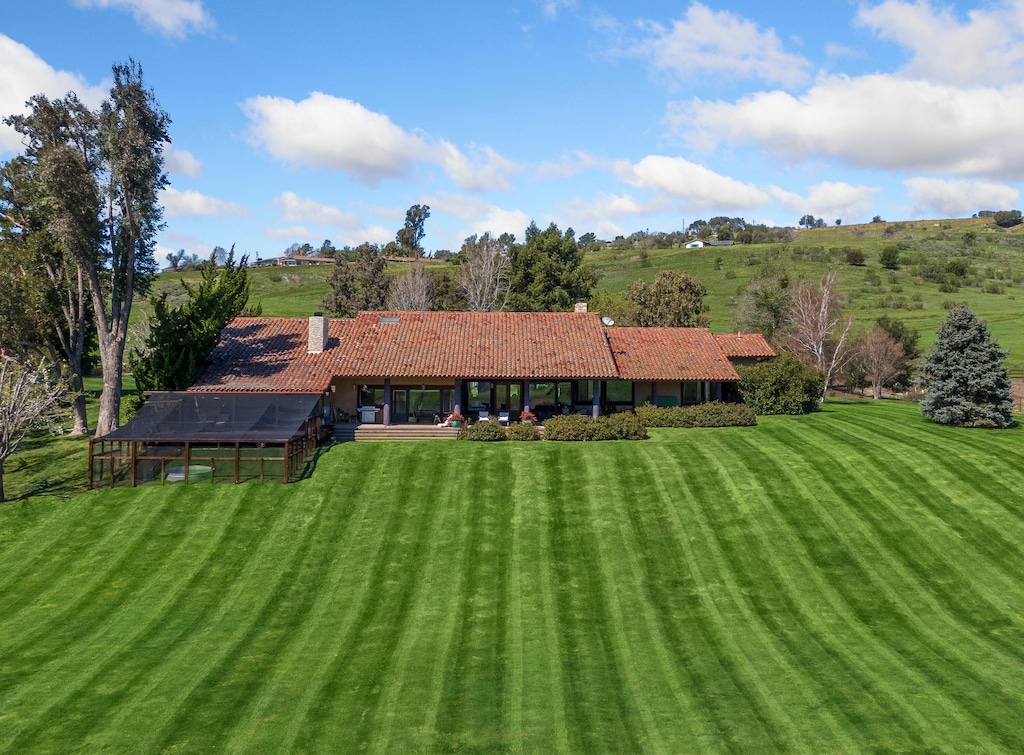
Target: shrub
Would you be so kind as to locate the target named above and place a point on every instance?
(785, 385)
(890, 257)
(523, 431)
(628, 425)
(854, 256)
(577, 427)
(714, 414)
(483, 431)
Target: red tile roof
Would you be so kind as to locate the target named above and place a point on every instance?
(739, 345)
(669, 354)
(264, 354)
(269, 354)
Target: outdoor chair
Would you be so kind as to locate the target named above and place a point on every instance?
(504, 418)
(483, 416)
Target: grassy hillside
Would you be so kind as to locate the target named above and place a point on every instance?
(991, 260)
(845, 581)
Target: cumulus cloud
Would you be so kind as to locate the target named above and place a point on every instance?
(984, 49)
(180, 162)
(191, 204)
(720, 43)
(479, 216)
(958, 197)
(699, 187)
(876, 121)
(23, 74)
(828, 200)
(324, 132)
(173, 18)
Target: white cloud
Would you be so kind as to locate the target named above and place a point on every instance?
(332, 133)
(173, 18)
(828, 200)
(24, 74)
(569, 165)
(601, 213)
(485, 170)
(552, 8)
(479, 216)
(720, 43)
(190, 204)
(297, 233)
(324, 132)
(958, 197)
(180, 162)
(700, 188)
(876, 121)
(344, 227)
(985, 49)
(295, 209)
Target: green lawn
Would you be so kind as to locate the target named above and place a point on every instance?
(844, 581)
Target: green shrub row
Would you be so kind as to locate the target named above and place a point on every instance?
(622, 426)
(714, 414)
(492, 431)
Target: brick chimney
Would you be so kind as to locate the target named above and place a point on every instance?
(317, 333)
(581, 307)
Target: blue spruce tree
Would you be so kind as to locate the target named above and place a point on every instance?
(967, 384)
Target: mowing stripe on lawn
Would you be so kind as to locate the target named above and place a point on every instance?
(934, 654)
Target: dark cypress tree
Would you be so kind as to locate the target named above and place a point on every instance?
(967, 384)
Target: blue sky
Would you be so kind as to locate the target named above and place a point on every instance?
(305, 121)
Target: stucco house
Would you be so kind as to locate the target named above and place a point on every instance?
(273, 383)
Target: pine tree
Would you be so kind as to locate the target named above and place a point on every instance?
(967, 384)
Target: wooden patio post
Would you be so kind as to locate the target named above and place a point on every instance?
(135, 456)
(287, 460)
(187, 454)
(526, 395)
(387, 401)
(596, 405)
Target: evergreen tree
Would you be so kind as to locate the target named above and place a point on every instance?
(181, 338)
(547, 273)
(964, 375)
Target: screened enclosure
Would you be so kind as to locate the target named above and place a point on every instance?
(226, 437)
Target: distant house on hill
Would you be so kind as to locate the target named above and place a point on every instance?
(293, 260)
(701, 243)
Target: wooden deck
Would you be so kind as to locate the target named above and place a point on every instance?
(355, 432)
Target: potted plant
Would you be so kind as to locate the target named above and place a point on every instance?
(528, 418)
(455, 420)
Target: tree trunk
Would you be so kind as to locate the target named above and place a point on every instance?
(112, 357)
(81, 426)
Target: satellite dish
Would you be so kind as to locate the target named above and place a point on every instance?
(608, 321)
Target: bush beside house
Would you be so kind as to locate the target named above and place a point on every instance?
(784, 385)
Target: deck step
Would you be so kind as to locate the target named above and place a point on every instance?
(367, 432)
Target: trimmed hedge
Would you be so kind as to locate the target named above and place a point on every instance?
(523, 431)
(483, 431)
(715, 414)
(572, 427)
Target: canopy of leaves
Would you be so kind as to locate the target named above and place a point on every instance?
(967, 384)
(362, 284)
(547, 273)
(181, 338)
(675, 300)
